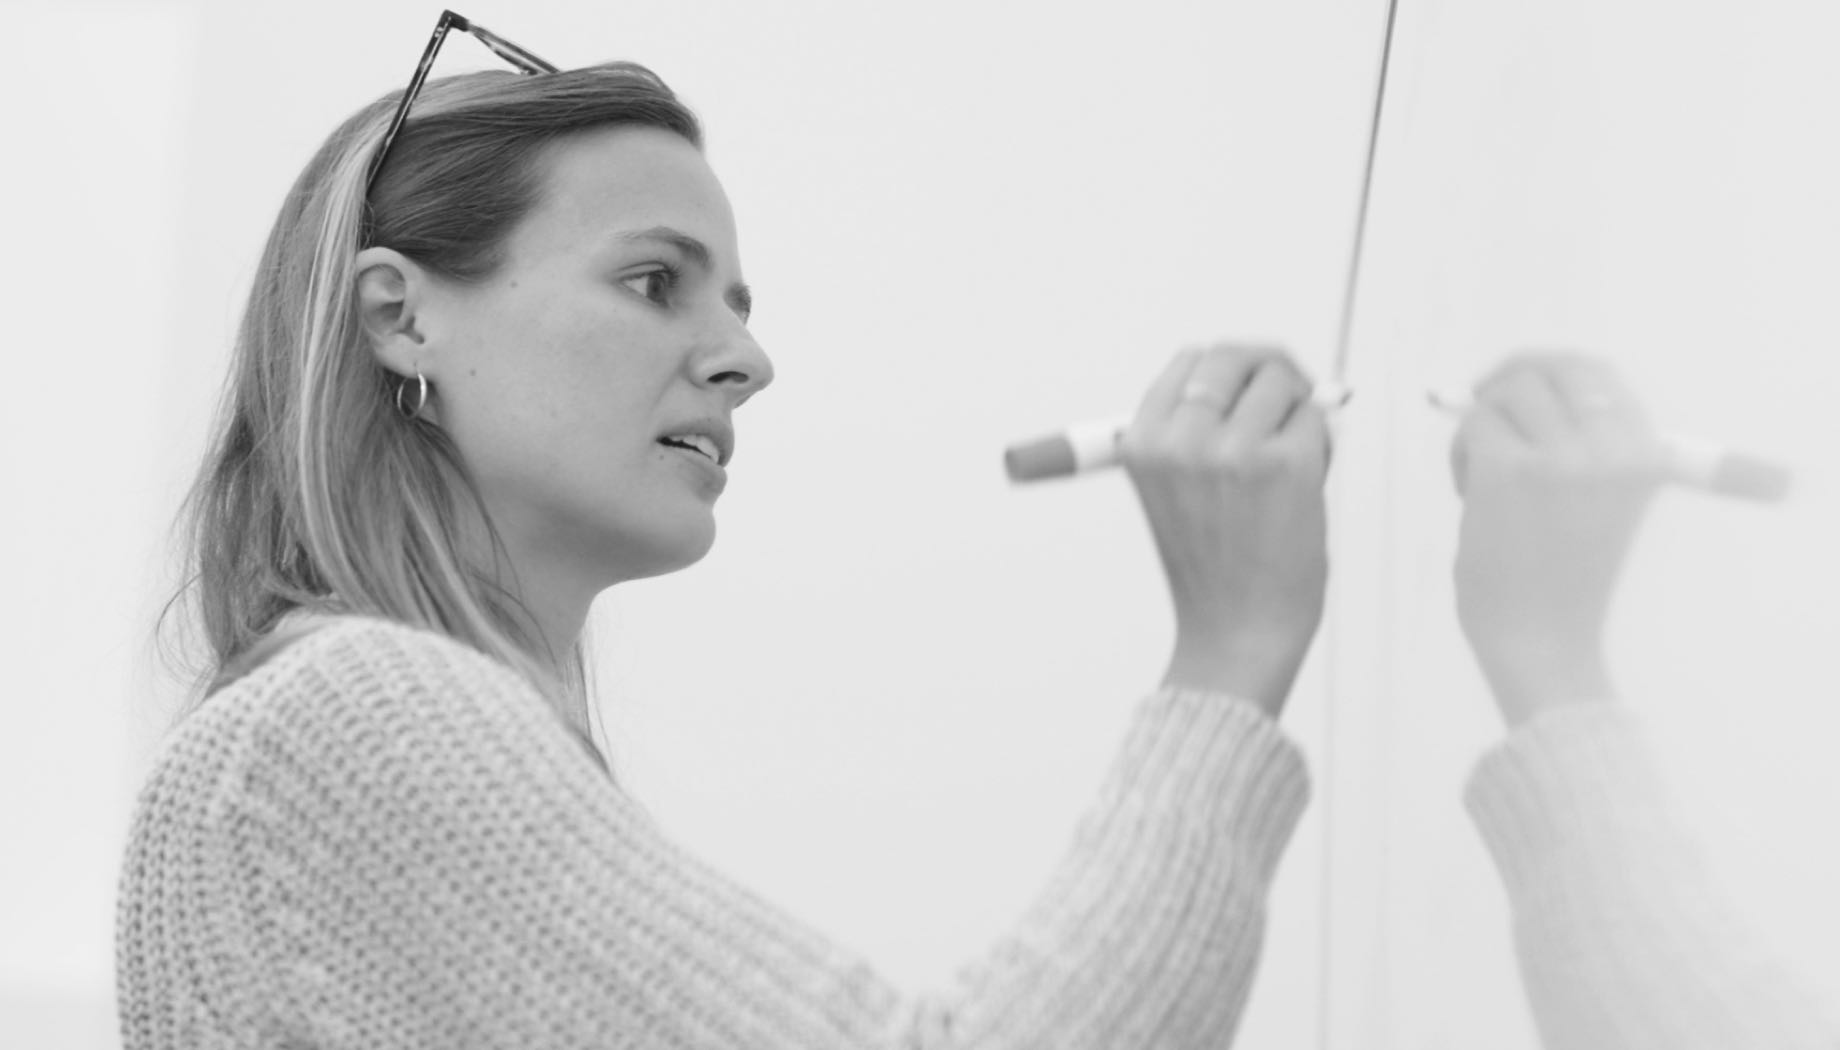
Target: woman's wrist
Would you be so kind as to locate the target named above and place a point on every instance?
(1529, 676)
(1257, 670)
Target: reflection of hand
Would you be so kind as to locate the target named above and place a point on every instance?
(1557, 465)
(1228, 457)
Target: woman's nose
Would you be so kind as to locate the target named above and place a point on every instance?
(739, 364)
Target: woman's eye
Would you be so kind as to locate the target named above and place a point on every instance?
(654, 285)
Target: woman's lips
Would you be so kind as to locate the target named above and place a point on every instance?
(708, 468)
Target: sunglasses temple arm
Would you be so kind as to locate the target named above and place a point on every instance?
(448, 18)
(510, 52)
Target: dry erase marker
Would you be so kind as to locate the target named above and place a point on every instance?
(1093, 445)
(1690, 461)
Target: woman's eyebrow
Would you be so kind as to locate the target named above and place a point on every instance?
(739, 296)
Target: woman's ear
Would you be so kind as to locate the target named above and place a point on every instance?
(389, 290)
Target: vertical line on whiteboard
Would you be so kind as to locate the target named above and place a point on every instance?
(1349, 286)
(1331, 631)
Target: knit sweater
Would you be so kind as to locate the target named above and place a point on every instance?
(383, 838)
(1626, 938)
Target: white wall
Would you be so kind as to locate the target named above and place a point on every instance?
(886, 695)
(97, 99)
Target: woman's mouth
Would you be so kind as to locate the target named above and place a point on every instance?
(699, 460)
(695, 443)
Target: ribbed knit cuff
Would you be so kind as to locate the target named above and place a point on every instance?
(1254, 778)
(1573, 785)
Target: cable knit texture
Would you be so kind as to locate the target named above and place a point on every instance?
(1626, 939)
(383, 838)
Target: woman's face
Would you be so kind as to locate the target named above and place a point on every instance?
(618, 319)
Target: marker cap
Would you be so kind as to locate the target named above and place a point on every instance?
(1046, 457)
(1727, 472)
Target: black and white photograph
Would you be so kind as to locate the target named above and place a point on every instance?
(1277, 524)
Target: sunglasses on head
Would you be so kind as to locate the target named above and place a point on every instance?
(505, 49)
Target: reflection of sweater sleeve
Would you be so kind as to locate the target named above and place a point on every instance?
(383, 838)
(1625, 939)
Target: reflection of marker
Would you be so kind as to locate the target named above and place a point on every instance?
(1701, 464)
(1093, 445)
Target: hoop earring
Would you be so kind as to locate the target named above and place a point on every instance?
(420, 401)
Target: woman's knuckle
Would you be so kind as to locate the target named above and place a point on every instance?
(1149, 451)
(1245, 462)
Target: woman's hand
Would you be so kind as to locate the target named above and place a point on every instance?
(1557, 465)
(1228, 455)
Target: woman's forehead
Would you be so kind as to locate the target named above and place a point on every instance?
(609, 181)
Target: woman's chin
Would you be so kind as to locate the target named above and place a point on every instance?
(671, 551)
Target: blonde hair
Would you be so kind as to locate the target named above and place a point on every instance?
(316, 492)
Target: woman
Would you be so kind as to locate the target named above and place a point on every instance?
(464, 404)
(1626, 942)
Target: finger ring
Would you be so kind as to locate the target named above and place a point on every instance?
(1198, 391)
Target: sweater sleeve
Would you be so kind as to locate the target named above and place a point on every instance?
(414, 853)
(1626, 939)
